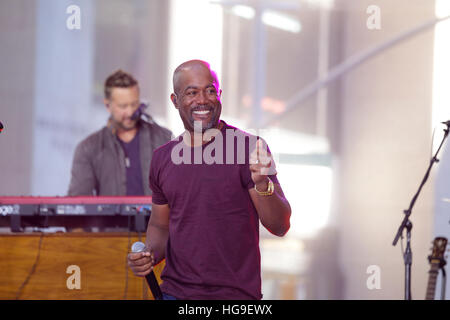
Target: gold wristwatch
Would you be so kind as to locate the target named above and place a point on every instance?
(270, 189)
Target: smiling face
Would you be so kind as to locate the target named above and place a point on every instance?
(197, 96)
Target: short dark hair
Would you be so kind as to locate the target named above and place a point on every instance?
(119, 79)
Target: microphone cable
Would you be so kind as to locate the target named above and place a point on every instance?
(126, 259)
(33, 268)
(125, 293)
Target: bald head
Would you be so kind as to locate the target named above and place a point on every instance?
(186, 68)
(197, 95)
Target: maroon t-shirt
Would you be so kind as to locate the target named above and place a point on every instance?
(213, 246)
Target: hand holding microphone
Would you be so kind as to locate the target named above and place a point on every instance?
(141, 262)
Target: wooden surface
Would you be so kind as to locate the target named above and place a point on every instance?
(101, 258)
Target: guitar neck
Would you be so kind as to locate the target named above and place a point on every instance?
(431, 287)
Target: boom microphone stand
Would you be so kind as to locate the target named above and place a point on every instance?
(407, 257)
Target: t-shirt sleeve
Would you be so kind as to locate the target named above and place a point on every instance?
(158, 196)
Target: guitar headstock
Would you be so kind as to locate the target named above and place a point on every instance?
(437, 260)
(439, 246)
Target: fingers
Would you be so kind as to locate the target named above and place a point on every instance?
(140, 260)
(142, 271)
(141, 263)
(136, 256)
(263, 153)
(260, 154)
(260, 169)
(261, 161)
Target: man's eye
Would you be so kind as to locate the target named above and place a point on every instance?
(191, 93)
(212, 92)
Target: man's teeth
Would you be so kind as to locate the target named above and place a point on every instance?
(201, 112)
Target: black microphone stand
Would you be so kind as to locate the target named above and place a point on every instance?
(407, 257)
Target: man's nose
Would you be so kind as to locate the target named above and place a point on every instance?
(202, 98)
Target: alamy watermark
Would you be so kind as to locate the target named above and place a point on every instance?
(239, 146)
(74, 280)
(374, 20)
(73, 22)
(374, 280)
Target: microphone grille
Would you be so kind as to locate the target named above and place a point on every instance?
(138, 247)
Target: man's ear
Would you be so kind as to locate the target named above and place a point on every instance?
(106, 102)
(173, 97)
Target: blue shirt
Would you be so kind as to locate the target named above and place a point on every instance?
(133, 166)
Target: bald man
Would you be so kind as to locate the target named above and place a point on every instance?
(205, 214)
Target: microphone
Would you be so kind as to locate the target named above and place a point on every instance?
(139, 111)
(151, 279)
